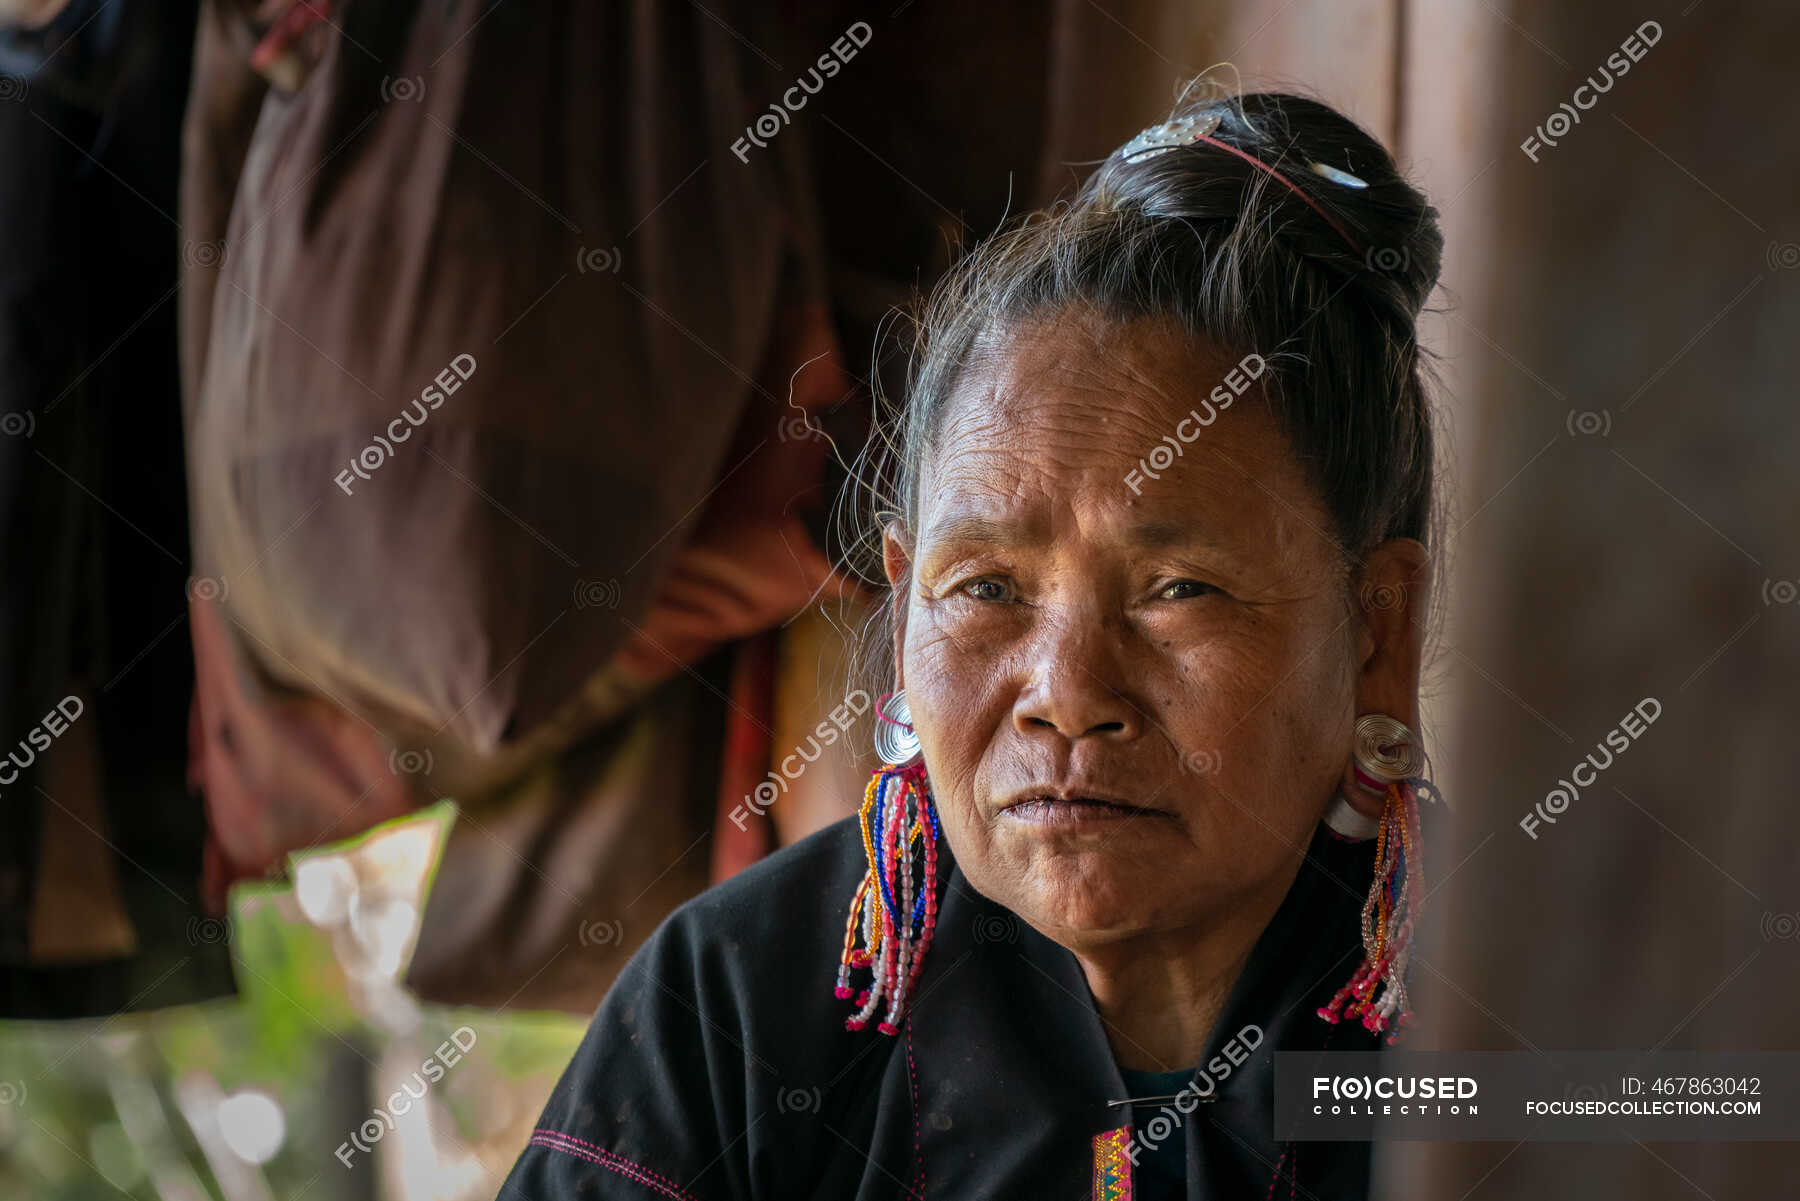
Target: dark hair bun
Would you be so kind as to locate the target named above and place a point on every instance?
(1395, 247)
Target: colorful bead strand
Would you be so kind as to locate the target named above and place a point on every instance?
(895, 906)
(1376, 991)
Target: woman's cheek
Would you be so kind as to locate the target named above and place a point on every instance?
(946, 690)
(1219, 678)
(958, 643)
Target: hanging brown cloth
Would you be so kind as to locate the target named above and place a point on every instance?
(555, 592)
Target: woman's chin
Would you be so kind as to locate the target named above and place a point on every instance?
(1099, 896)
(1092, 923)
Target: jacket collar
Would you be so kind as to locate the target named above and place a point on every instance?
(1013, 1069)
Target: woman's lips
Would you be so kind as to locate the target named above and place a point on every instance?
(1057, 813)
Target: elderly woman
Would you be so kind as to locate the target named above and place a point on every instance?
(1154, 514)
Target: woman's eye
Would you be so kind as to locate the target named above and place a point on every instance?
(986, 590)
(1186, 590)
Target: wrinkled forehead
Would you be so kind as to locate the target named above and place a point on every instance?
(1066, 412)
(1078, 372)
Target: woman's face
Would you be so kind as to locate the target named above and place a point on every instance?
(1135, 698)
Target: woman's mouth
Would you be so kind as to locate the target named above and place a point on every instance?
(1054, 812)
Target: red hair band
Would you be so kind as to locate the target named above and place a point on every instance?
(1184, 131)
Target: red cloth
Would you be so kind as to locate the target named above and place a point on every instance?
(736, 844)
(528, 595)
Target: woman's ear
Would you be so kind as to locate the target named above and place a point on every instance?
(1393, 593)
(896, 560)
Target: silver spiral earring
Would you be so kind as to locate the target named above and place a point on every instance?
(1383, 751)
(1376, 733)
(896, 742)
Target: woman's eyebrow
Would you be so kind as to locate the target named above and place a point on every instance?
(1206, 538)
(1160, 535)
(966, 528)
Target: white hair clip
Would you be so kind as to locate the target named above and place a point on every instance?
(1170, 135)
(1336, 176)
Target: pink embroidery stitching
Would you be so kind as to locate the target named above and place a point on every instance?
(556, 1140)
(912, 1077)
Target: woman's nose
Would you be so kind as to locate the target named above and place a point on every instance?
(1078, 686)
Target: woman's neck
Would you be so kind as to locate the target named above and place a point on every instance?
(1161, 995)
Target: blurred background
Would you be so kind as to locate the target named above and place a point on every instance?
(419, 430)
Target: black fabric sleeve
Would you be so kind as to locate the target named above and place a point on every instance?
(718, 1067)
(653, 1102)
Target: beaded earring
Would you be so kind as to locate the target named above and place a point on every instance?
(1385, 758)
(895, 907)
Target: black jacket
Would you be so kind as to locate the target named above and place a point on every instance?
(719, 1066)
